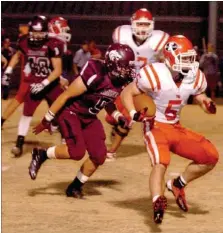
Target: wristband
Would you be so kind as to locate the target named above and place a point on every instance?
(45, 82)
(132, 113)
(116, 114)
(8, 70)
(49, 116)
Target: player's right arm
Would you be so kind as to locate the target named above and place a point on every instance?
(13, 62)
(76, 88)
(8, 71)
(143, 84)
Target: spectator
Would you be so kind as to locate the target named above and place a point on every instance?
(81, 57)
(198, 53)
(209, 65)
(95, 52)
(7, 50)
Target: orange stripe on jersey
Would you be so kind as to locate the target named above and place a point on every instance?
(197, 79)
(149, 78)
(156, 77)
(201, 83)
(160, 41)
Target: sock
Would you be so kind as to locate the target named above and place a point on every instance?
(179, 183)
(50, 152)
(20, 141)
(2, 121)
(44, 154)
(79, 180)
(24, 124)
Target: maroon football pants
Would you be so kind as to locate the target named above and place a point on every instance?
(50, 94)
(80, 137)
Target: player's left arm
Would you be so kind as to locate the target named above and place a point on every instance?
(57, 69)
(206, 103)
(76, 88)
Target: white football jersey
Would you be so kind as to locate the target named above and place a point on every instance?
(156, 80)
(146, 53)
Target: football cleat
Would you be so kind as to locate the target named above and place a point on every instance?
(179, 195)
(74, 192)
(38, 158)
(159, 207)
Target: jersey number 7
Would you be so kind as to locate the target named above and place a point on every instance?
(170, 113)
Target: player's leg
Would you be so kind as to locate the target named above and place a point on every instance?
(30, 106)
(94, 138)
(73, 149)
(158, 150)
(204, 156)
(118, 133)
(14, 104)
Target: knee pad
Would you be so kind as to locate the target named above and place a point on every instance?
(76, 151)
(211, 153)
(99, 159)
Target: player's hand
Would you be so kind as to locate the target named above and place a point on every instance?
(139, 116)
(36, 88)
(43, 125)
(123, 122)
(64, 83)
(6, 79)
(210, 106)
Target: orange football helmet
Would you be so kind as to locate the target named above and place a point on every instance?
(179, 55)
(142, 24)
(59, 26)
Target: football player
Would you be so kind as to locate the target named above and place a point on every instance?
(147, 45)
(58, 27)
(97, 86)
(170, 86)
(42, 68)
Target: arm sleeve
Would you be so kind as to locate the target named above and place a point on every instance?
(89, 75)
(144, 81)
(200, 84)
(56, 48)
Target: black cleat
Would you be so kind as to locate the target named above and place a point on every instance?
(18, 148)
(159, 207)
(38, 158)
(74, 192)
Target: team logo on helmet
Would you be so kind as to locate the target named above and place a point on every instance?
(114, 55)
(38, 27)
(171, 46)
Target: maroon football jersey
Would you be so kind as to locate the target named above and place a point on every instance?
(100, 90)
(37, 64)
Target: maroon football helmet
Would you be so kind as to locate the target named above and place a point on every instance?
(119, 59)
(38, 30)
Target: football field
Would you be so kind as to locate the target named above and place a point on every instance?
(117, 198)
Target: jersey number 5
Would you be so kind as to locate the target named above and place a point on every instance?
(170, 113)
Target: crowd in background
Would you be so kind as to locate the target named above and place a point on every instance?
(210, 63)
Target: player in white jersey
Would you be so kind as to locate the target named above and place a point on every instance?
(147, 45)
(170, 86)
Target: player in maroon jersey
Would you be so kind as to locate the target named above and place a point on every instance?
(42, 68)
(97, 86)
